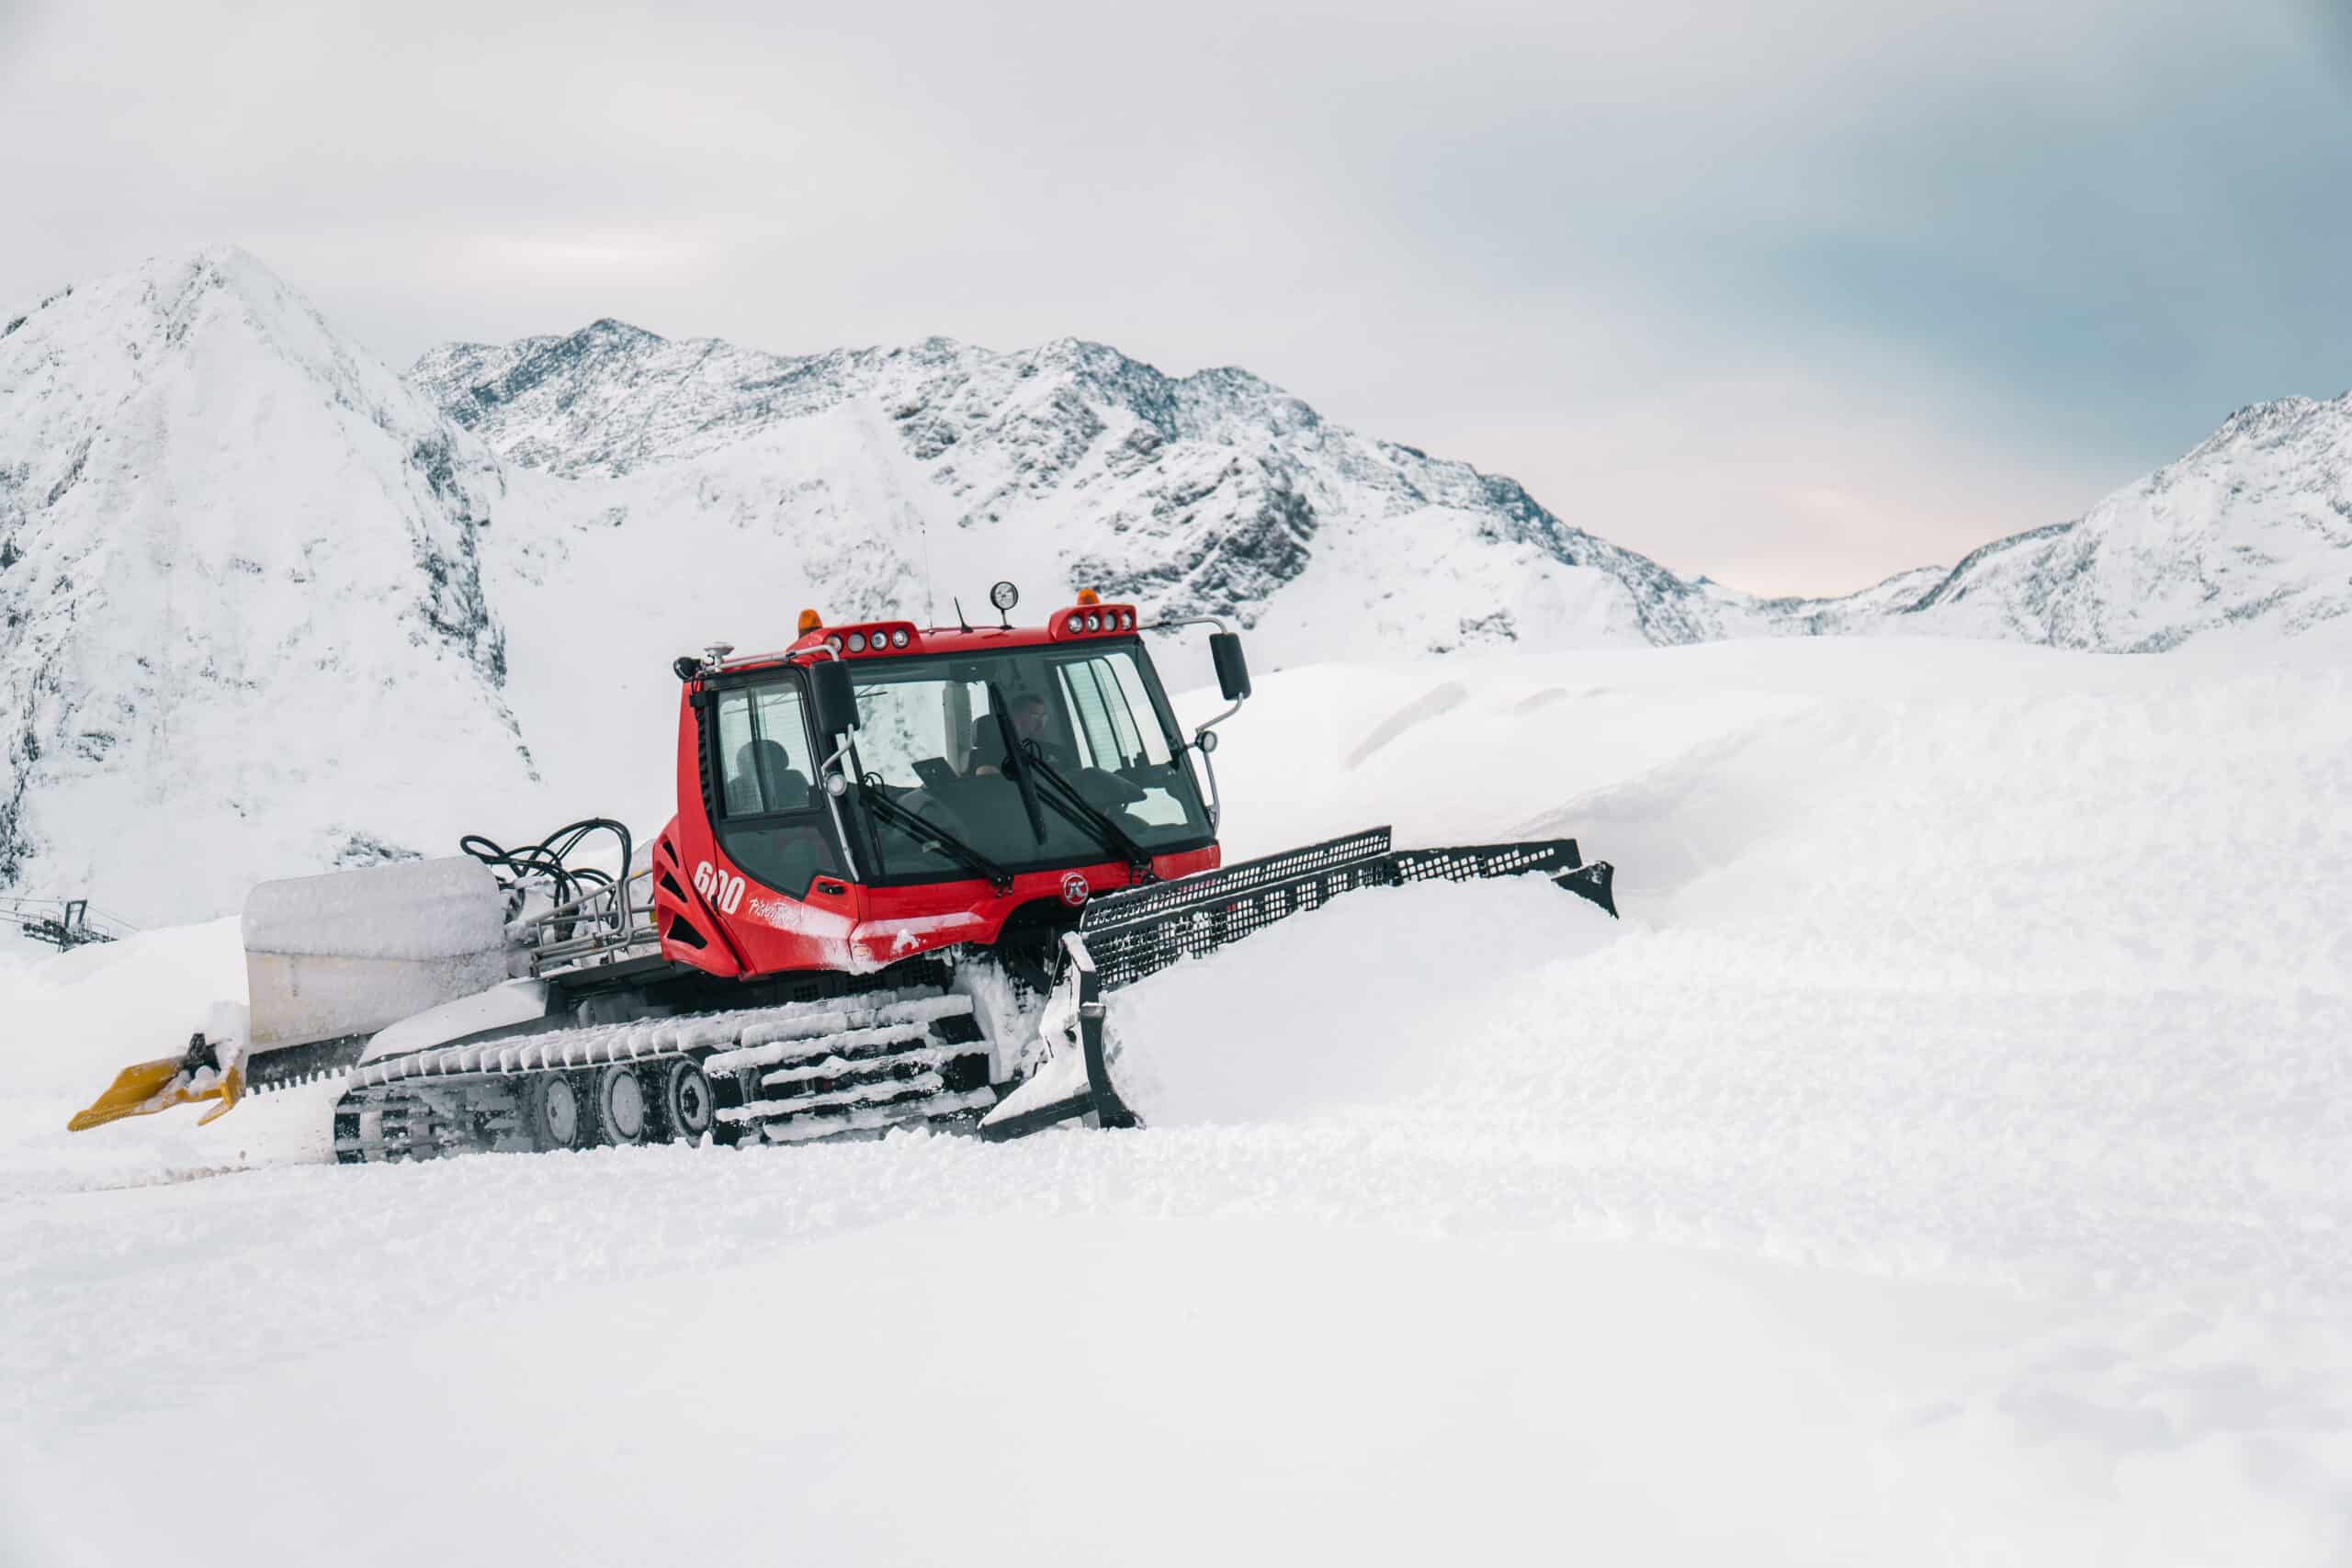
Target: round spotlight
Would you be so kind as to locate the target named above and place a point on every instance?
(835, 784)
(1127, 620)
(898, 638)
(1095, 623)
(834, 642)
(1004, 596)
(858, 642)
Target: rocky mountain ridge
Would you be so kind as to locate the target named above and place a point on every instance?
(1217, 494)
(267, 606)
(242, 620)
(1210, 493)
(2251, 529)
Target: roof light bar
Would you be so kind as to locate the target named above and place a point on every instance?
(1091, 620)
(857, 640)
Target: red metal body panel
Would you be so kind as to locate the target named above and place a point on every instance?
(747, 929)
(899, 922)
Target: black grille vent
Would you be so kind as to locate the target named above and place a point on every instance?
(1140, 931)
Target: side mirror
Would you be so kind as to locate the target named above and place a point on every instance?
(1232, 669)
(835, 702)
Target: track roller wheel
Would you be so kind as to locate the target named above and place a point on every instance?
(346, 1133)
(686, 1106)
(624, 1110)
(555, 1112)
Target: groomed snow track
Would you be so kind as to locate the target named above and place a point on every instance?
(797, 1073)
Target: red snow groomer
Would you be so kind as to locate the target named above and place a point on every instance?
(907, 865)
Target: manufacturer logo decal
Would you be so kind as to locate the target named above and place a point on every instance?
(725, 892)
(1074, 890)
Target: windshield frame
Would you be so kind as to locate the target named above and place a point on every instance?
(859, 819)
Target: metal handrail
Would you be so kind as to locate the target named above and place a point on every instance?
(611, 914)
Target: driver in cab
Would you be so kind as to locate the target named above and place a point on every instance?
(1028, 729)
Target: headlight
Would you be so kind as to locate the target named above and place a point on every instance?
(858, 642)
(898, 638)
(1095, 623)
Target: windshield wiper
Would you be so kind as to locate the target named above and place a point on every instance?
(1093, 817)
(1017, 762)
(923, 830)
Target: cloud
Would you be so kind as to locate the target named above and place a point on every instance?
(1686, 269)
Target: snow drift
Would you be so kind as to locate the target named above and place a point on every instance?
(1947, 1154)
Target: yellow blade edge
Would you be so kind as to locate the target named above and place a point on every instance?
(230, 1090)
(149, 1087)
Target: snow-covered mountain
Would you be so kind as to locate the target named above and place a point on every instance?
(266, 605)
(245, 634)
(879, 470)
(2253, 527)
(873, 474)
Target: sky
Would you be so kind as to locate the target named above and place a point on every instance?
(1792, 296)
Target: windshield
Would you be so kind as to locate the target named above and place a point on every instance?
(932, 742)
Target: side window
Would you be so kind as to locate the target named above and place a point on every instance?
(765, 770)
(1121, 712)
(764, 765)
(1082, 693)
(1114, 711)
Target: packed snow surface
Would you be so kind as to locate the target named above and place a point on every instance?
(1948, 1158)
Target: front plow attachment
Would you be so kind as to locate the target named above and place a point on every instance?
(1138, 931)
(149, 1087)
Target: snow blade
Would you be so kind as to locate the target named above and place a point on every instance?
(1140, 931)
(150, 1086)
(1135, 932)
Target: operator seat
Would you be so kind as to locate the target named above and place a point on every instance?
(987, 748)
(766, 780)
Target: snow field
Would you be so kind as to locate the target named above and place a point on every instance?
(1944, 1160)
(1157, 1388)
